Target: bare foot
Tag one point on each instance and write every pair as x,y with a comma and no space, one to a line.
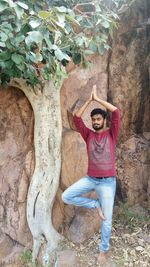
101,214
102,258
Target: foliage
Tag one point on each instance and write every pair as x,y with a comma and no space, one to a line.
26,258
129,217
37,40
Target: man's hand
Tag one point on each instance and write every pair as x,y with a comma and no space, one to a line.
93,93
95,97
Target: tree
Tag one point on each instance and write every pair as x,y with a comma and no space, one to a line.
36,43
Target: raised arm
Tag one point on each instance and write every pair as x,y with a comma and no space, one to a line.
83,108
115,118
107,105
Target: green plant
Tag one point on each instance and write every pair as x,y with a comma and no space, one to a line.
38,40
129,217
26,258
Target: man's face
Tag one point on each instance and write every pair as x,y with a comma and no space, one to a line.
97,122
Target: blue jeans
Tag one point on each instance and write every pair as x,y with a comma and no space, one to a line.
105,189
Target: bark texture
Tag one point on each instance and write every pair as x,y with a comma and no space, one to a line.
45,179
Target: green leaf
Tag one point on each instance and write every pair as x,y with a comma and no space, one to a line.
7,27
6,64
19,39
105,24
23,5
21,67
88,52
19,11
3,6
2,44
35,57
5,56
47,40
54,47
106,46
32,57
61,9
10,2
17,58
34,36
101,50
34,23
60,55
61,18
92,46
3,36
77,58
71,19
44,14
39,57
79,41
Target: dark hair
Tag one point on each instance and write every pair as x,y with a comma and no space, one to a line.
99,111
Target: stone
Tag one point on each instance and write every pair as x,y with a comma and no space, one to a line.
147,135
6,246
67,258
83,225
1,213
129,145
74,158
133,170
58,211
16,142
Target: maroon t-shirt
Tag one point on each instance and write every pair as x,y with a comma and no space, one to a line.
100,146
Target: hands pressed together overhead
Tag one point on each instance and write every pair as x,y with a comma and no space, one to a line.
93,95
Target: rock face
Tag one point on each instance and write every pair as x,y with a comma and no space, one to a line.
129,89
16,163
122,77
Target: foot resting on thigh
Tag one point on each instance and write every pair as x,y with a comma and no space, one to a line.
101,214
102,258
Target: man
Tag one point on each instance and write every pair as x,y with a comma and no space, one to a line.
101,174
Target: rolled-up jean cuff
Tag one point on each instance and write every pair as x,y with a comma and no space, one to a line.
97,205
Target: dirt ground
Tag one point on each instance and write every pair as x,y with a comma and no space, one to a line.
130,243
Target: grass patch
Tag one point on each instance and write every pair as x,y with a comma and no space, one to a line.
129,217
26,258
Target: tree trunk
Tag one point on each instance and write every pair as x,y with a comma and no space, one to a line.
45,179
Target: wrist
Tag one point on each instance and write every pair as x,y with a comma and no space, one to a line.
88,101
97,99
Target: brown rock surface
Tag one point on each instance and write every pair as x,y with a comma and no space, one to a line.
129,89
6,246
66,258
84,225
74,158
16,167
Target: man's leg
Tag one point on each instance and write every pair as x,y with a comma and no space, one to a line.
106,191
73,194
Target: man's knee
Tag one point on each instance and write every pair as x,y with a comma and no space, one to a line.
65,197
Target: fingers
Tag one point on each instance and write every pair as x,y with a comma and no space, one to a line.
94,93
94,88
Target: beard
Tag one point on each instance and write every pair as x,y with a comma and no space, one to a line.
98,127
